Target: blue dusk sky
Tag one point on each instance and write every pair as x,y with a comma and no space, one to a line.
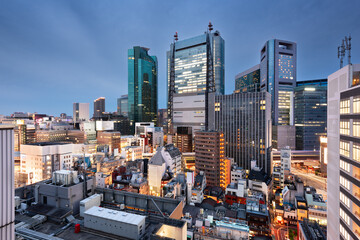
54,53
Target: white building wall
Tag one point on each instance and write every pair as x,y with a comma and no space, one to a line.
155,173
189,110
337,82
32,158
7,198
114,223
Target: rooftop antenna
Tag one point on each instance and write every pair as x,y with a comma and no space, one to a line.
341,53
176,37
348,47
210,26
343,48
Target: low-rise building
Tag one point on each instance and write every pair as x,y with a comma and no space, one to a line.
131,153
119,223
112,139
259,181
316,207
310,230
65,190
39,160
197,191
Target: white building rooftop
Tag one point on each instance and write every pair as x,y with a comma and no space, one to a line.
115,215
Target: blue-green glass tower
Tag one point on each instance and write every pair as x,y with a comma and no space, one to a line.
142,86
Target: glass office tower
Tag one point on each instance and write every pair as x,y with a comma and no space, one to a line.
190,67
310,113
278,77
249,80
142,86
122,105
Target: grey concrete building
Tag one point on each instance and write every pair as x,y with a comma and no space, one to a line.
245,120
278,77
7,198
63,196
343,169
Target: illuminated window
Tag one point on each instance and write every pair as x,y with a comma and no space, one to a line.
344,233
356,104
345,106
345,127
344,216
345,148
345,166
345,199
344,182
356,152
356,128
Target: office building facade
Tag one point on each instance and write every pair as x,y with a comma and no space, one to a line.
80,112
192,61
249,80
7,198
343,169
99,107
278,77
245,120
310,100
142,85
123,105
209,156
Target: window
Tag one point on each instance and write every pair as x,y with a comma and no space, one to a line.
344,233
345,148
356,104
345,183
356,128
345,166
345,127
345,106
356,152
345,199
344,216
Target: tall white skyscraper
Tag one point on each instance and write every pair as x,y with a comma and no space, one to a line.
343,169
7,198
80,112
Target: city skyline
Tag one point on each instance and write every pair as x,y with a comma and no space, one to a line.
79,51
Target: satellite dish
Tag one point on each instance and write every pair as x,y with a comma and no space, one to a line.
76,180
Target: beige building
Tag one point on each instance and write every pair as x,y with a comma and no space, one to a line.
39,160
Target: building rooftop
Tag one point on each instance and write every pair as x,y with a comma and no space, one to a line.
233,225
42,144
259,175
115,215
6,126
157,159
172,150
312,230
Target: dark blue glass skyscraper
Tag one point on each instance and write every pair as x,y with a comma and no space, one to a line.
142,86
310,113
